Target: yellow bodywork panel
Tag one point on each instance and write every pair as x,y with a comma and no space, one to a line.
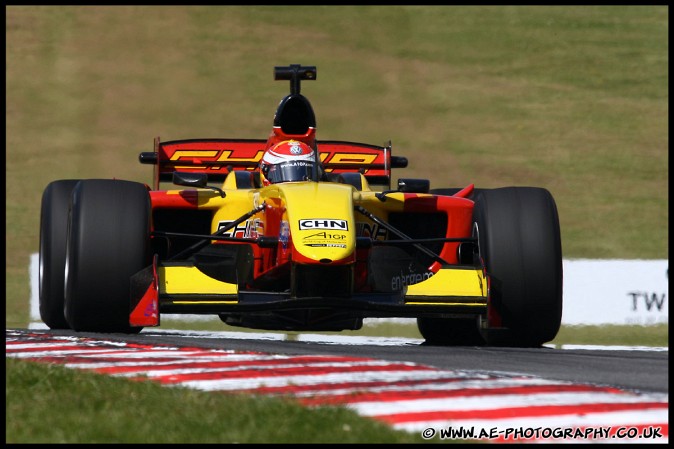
321,220
177,280
467,283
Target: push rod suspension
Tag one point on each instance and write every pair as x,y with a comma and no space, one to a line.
382,223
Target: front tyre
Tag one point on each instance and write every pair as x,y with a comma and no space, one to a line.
520,246
53,230
108,242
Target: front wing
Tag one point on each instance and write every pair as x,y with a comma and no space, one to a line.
179,288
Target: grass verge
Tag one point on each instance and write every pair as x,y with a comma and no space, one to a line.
53,404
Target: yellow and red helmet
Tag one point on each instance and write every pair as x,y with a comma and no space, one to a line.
288,161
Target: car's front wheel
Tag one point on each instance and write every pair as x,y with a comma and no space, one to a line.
53,230
108,242
520,246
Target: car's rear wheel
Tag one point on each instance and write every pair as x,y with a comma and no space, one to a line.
520,245
53,230
450,331
108,242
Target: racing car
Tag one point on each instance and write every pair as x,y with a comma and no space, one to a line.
293,233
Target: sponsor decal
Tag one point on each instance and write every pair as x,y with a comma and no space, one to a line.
405,279
357,159
249,229
325,239
323,223
295,148
150,310
326,245
284,234
296,164
372,230
224,156
193,154
325,236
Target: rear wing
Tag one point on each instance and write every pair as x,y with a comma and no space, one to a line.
217,157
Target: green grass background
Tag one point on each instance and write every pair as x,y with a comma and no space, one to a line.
570,98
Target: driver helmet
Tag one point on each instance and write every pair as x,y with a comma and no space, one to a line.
288,161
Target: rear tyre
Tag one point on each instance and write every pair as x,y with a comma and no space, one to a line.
108,242
520,246
53,230
450,331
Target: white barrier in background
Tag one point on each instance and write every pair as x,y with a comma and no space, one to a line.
595,292
615,291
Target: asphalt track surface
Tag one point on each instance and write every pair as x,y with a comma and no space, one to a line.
640,370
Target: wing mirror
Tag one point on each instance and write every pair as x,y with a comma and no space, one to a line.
190,179
412,185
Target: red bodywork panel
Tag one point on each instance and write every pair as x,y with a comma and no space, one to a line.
146,311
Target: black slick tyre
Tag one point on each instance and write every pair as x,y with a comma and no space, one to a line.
53,230
450,331
108,242
520,246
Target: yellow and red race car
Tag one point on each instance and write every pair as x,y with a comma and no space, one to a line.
295,233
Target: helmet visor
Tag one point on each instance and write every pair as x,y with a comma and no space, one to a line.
290,171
